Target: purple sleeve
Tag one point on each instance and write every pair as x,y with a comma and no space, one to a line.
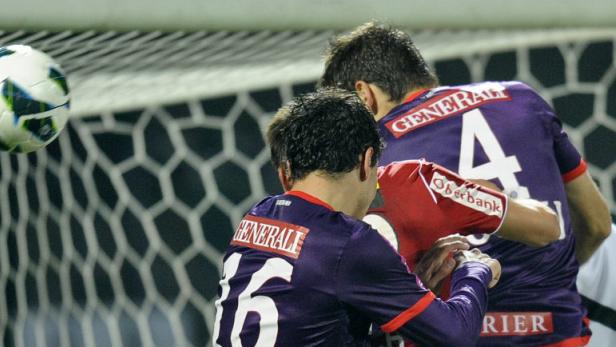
457,321
569,160
373,278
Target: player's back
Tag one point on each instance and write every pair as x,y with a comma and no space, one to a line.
282,265
506,133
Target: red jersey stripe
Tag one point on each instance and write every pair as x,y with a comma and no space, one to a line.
309,198
575,173
414,95
572,342
409,313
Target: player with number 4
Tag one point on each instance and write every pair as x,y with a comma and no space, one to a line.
498,131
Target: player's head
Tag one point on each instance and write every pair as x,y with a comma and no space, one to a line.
379,55
329,132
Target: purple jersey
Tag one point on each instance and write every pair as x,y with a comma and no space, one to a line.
299,274
506,133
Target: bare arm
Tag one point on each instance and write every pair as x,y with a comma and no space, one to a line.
527,221
530,222
590,216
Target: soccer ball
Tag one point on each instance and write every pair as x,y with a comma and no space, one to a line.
34,99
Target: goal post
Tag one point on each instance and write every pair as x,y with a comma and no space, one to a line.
195,15
113,235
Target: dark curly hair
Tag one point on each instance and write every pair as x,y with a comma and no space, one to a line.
380,55
326,130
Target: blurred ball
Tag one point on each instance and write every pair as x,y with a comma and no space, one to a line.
34,99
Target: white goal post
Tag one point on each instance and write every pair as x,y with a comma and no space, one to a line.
195,15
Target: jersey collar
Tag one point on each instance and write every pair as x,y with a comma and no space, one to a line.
414,95
309,198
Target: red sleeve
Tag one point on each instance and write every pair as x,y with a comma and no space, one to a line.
469,208
575,172
424,202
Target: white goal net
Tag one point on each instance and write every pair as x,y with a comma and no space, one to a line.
113,235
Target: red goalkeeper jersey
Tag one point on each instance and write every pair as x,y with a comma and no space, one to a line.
419,202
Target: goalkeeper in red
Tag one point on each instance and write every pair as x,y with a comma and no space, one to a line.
498,131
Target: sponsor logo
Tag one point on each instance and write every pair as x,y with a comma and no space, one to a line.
283,202
270,235
517,323
446,105
473,198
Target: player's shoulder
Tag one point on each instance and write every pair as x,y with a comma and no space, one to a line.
365,236
323,225
517,94
313,213
401,167
406,170
517,90
510,85
527,98
515,87
264,205
354,227
345,231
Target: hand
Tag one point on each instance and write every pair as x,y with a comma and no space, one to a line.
476,255
437,263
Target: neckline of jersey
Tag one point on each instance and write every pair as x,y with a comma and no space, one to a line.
310,198
414,95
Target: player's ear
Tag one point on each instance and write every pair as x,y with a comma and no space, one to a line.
365,164
284,175
366,94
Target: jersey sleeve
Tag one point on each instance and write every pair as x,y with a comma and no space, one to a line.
373,279
426,194
570,162
470,207
457,321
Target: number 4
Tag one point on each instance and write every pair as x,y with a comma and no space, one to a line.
499,166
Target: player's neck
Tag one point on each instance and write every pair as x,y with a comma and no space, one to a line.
384,109
342,194
385,105
379,102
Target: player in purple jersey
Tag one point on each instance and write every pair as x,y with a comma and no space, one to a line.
503,132
302,270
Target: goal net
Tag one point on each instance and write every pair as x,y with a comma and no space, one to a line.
113,235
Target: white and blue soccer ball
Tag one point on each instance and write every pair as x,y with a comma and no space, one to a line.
34,99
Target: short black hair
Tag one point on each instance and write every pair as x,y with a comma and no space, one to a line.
376,54
326,130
